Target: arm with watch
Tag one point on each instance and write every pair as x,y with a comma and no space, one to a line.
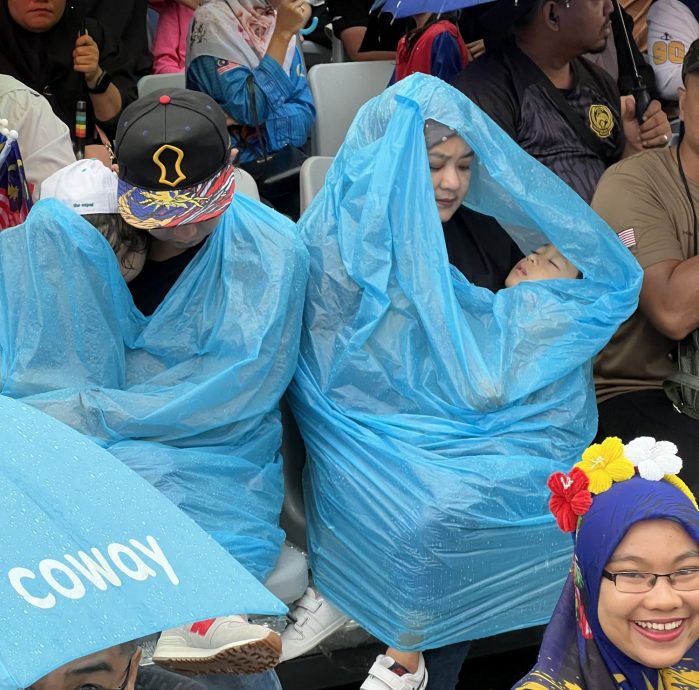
106,98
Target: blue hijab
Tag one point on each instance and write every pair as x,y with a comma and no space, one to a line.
575,653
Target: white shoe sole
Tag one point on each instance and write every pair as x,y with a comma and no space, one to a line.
241,658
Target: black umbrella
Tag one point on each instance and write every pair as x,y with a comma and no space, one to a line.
640,91
81,105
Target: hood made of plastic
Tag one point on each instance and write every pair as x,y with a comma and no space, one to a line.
187,397
433,410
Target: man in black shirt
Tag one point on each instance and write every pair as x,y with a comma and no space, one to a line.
365,35
562,109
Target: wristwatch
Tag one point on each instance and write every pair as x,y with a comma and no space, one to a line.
102,84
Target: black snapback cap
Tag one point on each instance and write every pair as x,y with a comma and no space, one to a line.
173,151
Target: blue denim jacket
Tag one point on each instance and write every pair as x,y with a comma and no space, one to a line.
284,103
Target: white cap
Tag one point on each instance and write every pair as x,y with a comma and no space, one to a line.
86,186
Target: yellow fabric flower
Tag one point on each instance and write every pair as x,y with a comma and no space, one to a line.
605,463
676,481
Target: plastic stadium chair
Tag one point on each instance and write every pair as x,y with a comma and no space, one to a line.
313,172
154,82
245,184
339,90
314,54
338,50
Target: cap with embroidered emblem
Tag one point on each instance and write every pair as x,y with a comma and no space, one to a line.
173,151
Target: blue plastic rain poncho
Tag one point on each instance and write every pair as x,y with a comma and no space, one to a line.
434,410
187,397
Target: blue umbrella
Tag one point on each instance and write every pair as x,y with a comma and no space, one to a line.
92,555
407,8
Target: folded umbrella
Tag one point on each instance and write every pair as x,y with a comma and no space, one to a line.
92,555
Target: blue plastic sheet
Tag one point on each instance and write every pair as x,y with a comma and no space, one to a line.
434,410
187,397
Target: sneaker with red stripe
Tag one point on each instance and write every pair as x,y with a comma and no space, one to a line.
228,644
386,674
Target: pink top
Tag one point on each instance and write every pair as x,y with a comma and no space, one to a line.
170,42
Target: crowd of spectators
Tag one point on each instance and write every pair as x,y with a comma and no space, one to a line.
592,89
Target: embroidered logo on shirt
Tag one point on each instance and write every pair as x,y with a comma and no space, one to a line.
628,238
601,120
223,66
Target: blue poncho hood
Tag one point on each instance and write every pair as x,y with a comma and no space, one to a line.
434,410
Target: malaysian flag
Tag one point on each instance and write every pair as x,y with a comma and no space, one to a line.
15,197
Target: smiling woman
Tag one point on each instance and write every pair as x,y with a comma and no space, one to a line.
656,625
628,616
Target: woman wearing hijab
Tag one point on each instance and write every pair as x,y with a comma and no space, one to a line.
476,244
484,253
41,46
628,617
243,53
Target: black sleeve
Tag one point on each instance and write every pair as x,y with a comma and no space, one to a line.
607,89
344,14
469,22
115,61
487,83
126,22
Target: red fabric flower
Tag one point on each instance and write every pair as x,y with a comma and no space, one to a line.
570,497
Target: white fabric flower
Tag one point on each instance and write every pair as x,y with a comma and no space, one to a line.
654,459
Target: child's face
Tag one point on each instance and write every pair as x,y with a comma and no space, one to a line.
545,263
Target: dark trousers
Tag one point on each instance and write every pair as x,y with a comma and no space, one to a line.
443,665
650,413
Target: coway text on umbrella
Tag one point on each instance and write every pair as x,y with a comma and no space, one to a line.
71,576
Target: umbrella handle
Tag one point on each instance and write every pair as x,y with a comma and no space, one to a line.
310,28
643,99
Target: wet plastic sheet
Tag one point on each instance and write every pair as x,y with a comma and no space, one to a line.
434,410
187,397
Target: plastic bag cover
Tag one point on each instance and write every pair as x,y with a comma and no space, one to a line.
434,410
187,397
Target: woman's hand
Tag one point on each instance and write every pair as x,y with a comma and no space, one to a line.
86,58
192,4
292,16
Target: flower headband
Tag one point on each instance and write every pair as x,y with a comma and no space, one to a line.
608,462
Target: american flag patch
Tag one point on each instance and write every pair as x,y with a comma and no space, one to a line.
628,238
223,66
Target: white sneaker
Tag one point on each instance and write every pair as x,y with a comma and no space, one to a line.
310,622
382,678
228,644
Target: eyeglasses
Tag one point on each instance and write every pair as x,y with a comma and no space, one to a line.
685,580
94,686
